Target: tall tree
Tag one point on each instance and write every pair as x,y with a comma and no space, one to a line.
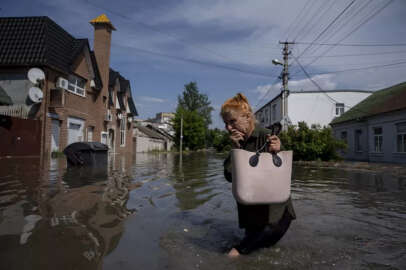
192,100
193,129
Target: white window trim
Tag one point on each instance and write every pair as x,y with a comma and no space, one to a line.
381,139
75,86
123,131
397,134
101,136
340,107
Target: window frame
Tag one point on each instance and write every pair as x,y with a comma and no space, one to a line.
378,138
357,141
122,131
340,109
402,135
76,86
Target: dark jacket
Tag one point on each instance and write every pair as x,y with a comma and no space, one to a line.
252,216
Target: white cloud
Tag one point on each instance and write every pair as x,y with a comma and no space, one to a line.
152,99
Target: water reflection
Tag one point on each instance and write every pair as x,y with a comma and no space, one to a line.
153,212
60,219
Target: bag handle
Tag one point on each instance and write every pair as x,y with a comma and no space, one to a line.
277,161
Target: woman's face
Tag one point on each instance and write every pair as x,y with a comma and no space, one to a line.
238,121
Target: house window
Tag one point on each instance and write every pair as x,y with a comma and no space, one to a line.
378,138
273,112
339,109
90,130
344,136
401,137
122,131
357,140
76,85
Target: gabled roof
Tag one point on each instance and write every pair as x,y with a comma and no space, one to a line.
150,133
39,41
382,101
131,106
124,86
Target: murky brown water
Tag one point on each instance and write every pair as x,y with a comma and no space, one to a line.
155,213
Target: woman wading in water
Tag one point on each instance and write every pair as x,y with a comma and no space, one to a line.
264,224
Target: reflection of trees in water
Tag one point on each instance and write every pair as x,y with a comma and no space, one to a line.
190,180
78,221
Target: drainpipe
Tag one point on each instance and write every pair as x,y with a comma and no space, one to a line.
44,117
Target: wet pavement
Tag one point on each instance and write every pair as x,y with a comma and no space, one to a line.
154,211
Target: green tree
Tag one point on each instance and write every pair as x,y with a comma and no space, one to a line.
219,139
194,130
314,143
192,100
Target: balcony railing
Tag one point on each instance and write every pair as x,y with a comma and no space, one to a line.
15,111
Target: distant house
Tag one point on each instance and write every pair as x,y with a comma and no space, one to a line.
147,138
163,120
75,105
312,107
375,129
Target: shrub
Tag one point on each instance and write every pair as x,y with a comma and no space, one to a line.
314,143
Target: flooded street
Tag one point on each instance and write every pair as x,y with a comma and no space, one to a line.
155,212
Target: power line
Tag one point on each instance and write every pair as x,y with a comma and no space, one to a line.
361,68
328,26
368,18
323,91
359,54
152,28
297,18
356,44
190,60
266,94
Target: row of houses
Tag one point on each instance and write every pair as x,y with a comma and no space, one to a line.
81,97
372,123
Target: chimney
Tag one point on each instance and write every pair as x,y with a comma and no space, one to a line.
102,43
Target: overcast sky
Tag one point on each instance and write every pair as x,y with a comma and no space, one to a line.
227,46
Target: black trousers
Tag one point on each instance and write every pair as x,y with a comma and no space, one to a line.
264,236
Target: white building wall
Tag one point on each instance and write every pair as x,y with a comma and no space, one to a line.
317,108
266,116
389,144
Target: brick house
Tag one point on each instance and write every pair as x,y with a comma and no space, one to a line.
75,102
120,112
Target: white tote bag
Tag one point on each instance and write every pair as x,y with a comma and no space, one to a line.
266,181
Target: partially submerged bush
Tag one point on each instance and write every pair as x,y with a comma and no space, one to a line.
314,143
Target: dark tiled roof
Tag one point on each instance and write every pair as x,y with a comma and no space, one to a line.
124,83
121,101
97,79
382,101
31,41
131,106
124,87
113,75
39,41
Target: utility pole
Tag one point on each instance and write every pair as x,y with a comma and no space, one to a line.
181,133
285,78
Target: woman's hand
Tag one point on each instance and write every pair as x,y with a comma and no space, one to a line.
274,143
236,137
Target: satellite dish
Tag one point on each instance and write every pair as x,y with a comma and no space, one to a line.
35,94
35,75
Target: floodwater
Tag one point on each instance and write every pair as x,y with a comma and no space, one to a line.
155,211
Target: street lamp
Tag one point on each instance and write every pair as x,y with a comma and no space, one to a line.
277,62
